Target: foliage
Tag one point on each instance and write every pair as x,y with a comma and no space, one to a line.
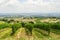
4,25
30,27
22,23
15,27
44,26
56,26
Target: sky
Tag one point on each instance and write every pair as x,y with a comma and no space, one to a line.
29,6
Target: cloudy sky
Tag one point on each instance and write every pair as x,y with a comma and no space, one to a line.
29,6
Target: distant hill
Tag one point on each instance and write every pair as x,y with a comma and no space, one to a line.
31,14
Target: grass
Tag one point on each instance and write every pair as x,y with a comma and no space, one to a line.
21,34
1,22
55,31
5,33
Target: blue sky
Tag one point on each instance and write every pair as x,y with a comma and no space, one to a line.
29,6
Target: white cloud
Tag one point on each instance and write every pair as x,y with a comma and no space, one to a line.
16,6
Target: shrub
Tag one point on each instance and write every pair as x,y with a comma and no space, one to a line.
47,27
29,27
43,26
56,26
15,27
23,24
31,22
4,25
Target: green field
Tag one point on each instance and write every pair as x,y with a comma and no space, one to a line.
30,29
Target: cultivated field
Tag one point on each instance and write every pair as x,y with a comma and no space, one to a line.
30,29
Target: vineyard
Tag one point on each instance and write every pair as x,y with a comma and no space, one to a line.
30,29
